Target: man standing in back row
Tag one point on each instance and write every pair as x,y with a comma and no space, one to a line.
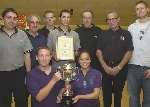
114,51
35,37
139,67
49,19
15,50
88,35
63,30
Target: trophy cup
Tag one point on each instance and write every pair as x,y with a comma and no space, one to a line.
65,54
68,71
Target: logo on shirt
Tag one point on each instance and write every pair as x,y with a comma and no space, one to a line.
95,36
122,38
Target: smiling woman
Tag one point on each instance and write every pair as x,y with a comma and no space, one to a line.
86,86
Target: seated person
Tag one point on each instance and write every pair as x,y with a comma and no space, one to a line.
43,82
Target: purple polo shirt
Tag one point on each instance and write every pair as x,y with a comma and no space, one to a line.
85,85
36,80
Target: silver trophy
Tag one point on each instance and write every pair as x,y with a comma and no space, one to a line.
68,71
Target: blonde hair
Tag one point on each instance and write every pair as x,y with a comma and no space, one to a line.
33,15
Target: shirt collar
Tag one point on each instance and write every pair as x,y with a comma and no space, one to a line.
61,30
87,71
88,27
116,30
2,30
48,29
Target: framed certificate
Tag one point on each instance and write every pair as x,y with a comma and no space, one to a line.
64,48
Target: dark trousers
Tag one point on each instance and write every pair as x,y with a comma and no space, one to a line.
13,83
113,85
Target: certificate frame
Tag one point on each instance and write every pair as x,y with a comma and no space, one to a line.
64,48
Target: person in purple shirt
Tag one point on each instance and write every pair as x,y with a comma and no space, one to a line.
43,82
87,83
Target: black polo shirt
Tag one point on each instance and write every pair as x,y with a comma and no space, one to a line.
44,31
114,45
88,37
88,40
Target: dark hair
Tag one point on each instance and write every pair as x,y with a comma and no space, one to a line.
48,11
42,47
9,10
64,11
83,51
88,10
142,2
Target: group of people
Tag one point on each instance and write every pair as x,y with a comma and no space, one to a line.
106,58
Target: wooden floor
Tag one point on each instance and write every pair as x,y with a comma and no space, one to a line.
125,98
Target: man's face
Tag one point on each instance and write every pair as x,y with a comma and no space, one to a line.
49,19
113,20
43,57
65,18
87,19
10,20
141,10
33,24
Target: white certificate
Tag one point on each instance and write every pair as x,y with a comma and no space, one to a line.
64,48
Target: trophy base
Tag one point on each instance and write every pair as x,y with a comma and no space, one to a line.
67,101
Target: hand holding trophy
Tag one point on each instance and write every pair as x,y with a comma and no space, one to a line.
67,67
68,72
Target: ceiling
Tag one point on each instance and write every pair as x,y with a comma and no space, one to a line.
125,8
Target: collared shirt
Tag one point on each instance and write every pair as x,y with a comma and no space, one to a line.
114,45
88,40
52,38
44,31
83,85
89,37
37,41
36,80
12,49
141,37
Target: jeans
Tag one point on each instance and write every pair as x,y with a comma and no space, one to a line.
137,82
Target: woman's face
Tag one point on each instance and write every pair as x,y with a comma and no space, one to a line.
84,60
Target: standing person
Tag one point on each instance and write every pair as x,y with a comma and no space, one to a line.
86,86
35,37
139,67
15,50
114,51
43,81
65,31
88,35
49,19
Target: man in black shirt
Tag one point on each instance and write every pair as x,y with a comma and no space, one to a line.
114,51
49,19
88,35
